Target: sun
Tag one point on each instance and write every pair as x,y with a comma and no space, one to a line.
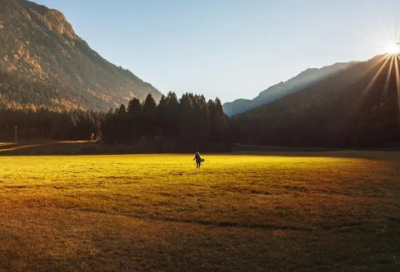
393,48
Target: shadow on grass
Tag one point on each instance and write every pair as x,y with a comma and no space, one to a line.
376,155
47,148
86,148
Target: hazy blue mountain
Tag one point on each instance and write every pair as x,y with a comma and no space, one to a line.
282,89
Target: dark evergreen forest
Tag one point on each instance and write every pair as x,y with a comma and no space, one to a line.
174,125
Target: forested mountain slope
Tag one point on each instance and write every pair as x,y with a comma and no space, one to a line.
356,107
282,89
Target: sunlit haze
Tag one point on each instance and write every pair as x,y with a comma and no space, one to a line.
230,48
393,48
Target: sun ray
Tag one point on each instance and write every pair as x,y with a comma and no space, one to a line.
385,57
398,32
393,48
398,81
392,45
394,33
389,37
370,85
385,90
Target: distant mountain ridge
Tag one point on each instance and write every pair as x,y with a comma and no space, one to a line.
358,107
282,89
43,62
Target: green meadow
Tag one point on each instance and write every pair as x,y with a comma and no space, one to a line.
332,211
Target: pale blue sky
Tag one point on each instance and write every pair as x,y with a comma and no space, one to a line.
229,48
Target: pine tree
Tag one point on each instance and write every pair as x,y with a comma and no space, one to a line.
218,121
149,116
109,127
162,113
135,119
173,115
122,125
204,121
187,121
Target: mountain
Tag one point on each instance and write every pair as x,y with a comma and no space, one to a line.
45,63
282,89
358,107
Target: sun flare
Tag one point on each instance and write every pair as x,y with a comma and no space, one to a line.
393,48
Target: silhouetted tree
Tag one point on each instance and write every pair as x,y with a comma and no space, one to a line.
187,120
173,116
190,123
135,119
149,116
162,113
218,121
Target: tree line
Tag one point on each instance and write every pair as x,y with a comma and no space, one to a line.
174,125
45,124
184,124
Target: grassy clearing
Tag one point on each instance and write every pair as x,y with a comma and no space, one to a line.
336,211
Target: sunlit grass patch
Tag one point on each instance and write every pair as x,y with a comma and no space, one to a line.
279,212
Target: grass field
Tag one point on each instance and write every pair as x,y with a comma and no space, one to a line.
337,211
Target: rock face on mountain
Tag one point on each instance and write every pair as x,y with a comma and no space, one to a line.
282,89
44,63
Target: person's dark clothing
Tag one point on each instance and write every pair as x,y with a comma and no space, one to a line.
198,160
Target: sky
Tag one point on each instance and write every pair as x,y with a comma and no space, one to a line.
230,48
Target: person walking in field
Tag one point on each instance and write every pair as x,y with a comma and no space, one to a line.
198,159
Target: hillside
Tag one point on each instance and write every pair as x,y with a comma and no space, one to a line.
357,107
45,63
282,89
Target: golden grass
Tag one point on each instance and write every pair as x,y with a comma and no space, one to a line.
336,211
